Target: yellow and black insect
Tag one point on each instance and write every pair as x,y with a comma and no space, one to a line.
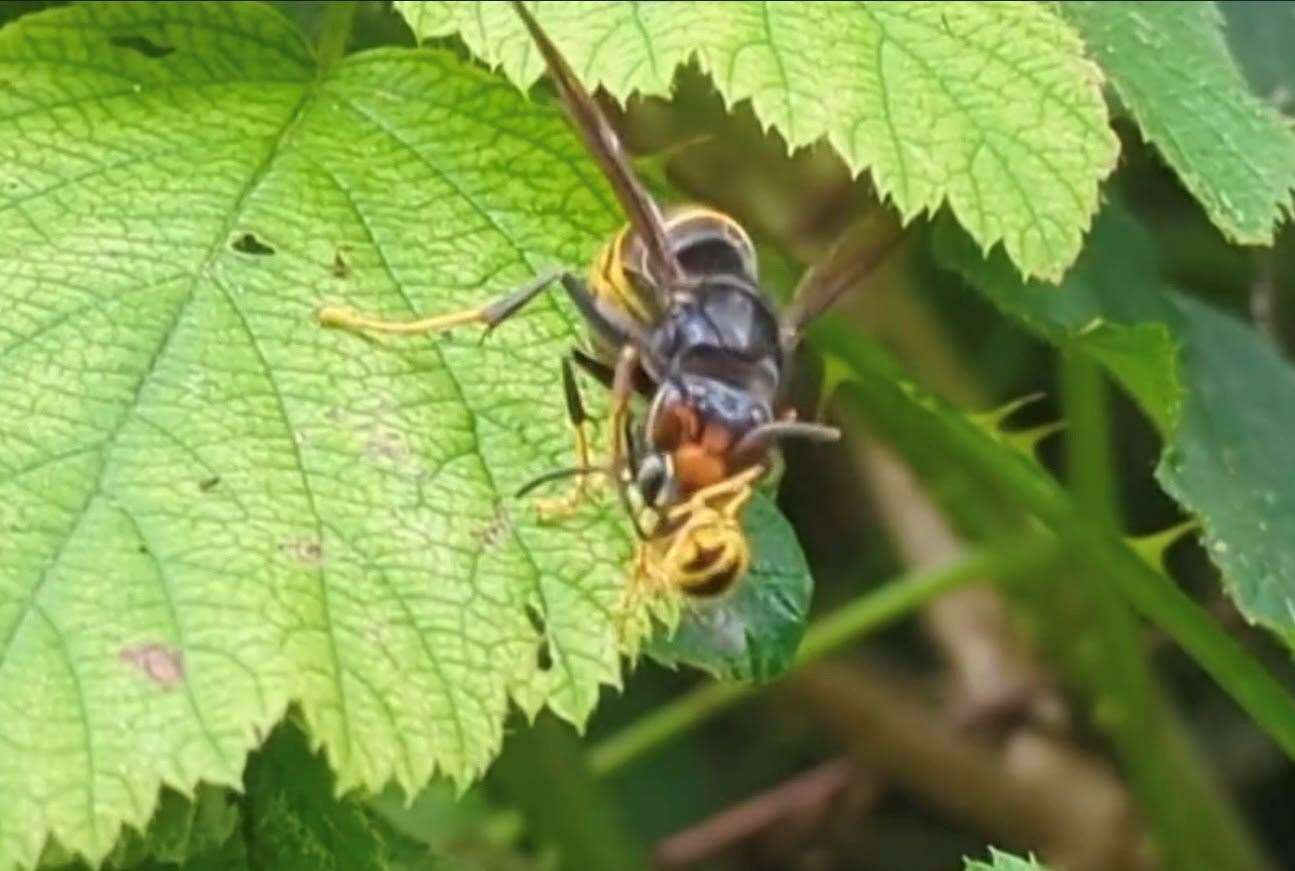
676,314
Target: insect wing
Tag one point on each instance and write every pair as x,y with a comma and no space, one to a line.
852,259
605,146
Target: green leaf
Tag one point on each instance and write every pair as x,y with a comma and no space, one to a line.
296,821
1227,429
181,830
991,107
1000,861
753,633
213,508
1128,333
1170,65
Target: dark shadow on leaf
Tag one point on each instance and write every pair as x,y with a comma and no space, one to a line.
142,44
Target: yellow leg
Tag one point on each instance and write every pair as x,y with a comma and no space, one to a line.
349,319
622,391
738,485
491,315
708,552
561,506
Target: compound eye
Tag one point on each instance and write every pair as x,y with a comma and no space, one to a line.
656,479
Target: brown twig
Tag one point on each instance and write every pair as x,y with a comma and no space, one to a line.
802,799
994,676
1039,795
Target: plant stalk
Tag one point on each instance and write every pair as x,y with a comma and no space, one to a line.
908,417
334,32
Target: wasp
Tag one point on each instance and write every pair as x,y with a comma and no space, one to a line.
676,315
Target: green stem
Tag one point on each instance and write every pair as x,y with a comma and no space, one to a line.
334,32
871,611
909,417
1094,630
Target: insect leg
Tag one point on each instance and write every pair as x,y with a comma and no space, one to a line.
620,429
579,420
622,391
490,315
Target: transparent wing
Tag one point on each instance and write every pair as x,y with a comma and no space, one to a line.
854,257
605,146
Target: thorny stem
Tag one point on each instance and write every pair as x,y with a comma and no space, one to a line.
910,418
1095,629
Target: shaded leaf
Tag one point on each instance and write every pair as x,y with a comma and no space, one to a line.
1170,65
1228,451
212,507
182,831
990,106
544,773
298,823
753,633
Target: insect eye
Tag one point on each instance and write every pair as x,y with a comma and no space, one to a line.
656,479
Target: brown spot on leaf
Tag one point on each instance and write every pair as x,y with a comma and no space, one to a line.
160,663
500,526
208,484
304,550
386,444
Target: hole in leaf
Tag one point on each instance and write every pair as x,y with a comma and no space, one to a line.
341,268
249,244
543,654
142,44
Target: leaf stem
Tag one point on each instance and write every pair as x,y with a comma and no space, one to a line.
334,32
870,611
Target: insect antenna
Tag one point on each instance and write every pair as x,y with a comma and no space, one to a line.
557,475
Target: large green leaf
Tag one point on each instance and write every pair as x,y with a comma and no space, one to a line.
1228,453
990,106
1171,66
211,506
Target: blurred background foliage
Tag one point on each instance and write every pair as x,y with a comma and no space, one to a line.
881,758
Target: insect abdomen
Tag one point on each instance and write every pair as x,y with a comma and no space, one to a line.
705,241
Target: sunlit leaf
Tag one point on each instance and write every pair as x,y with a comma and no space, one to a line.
988,106
1000,861
1223,398
1171,66
212,507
